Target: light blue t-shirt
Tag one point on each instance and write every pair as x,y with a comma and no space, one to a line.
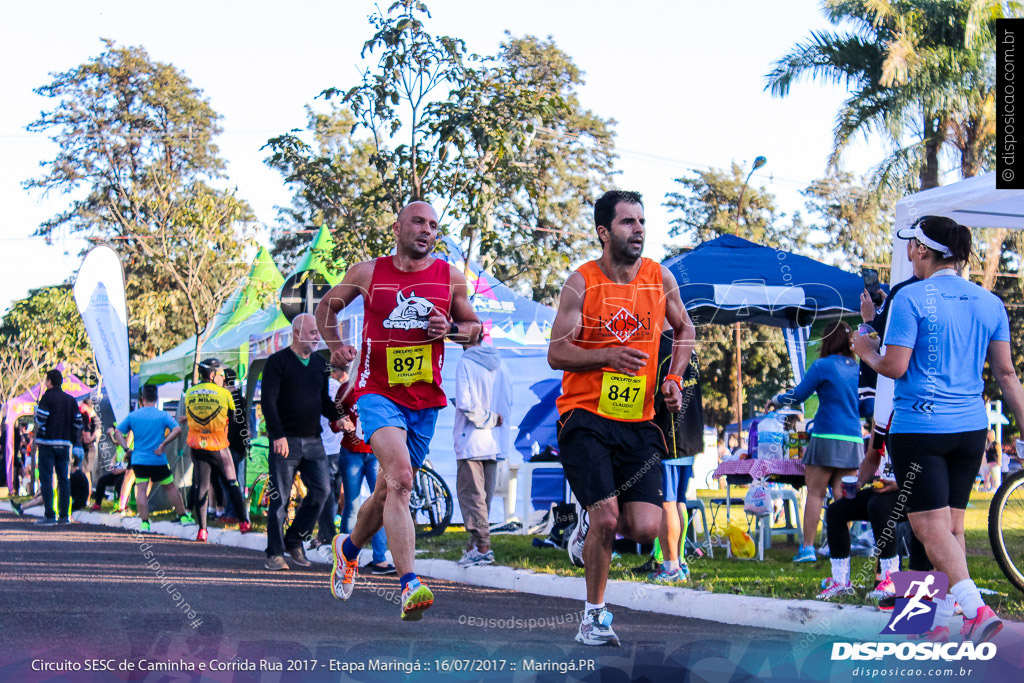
948,322
150,426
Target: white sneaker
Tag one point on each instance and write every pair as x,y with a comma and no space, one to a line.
596,629
578,536
473,557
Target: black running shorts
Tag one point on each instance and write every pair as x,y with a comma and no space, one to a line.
158,474
936,470
603,458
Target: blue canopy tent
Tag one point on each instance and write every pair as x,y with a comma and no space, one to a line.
730,279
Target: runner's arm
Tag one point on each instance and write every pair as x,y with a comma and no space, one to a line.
565,354
119,439
684,333
1001,363
171,436
893,364
355,283
462,314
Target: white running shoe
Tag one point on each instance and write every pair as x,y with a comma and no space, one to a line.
596,629
578,536
344,572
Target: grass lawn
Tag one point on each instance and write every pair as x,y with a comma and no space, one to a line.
776,577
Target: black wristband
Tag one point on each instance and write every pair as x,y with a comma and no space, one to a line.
454,329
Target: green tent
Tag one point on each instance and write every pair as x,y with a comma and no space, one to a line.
319,257
240,310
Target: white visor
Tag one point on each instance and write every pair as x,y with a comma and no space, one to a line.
918,234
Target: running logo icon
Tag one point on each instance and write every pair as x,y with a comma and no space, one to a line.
919,593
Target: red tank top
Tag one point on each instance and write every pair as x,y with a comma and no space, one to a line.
616,314
396,360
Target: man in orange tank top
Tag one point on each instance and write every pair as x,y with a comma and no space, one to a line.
605,337
410,300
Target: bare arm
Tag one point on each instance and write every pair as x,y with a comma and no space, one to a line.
868,466
1002,367
893,364
565,354
171,436
355,283
461,313
683,339
119,439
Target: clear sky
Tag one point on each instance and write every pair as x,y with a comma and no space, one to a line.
684,80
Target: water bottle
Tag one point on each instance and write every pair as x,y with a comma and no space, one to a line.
771,435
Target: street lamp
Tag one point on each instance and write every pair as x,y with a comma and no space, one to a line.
738,397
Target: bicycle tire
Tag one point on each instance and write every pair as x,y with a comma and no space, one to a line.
1005,517
432,499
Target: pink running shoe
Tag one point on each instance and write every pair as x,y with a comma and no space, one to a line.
983,627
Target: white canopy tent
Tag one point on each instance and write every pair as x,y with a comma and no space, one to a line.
974,202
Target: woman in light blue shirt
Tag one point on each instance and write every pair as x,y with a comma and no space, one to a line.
836,445
941,331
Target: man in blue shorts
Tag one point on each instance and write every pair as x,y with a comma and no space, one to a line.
410,301
152,429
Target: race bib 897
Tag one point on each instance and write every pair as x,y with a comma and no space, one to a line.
408,364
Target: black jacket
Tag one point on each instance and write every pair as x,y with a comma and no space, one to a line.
58,419
295,395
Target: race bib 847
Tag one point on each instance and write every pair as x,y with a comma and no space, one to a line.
622,396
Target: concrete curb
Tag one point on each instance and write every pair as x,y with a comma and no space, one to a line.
800,616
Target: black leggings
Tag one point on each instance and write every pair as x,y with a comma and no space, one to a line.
205,462
108,479
876,508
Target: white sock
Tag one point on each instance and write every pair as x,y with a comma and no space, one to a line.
670,565
890,565
587,607
969,597
841,570
943,611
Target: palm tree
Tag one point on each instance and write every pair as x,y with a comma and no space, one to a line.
921,73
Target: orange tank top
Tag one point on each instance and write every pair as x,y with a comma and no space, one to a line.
618,315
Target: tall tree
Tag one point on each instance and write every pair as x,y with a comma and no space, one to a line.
135,154
919,71
334,184
922,73
711,205
47,327
545,214
857,221
500,145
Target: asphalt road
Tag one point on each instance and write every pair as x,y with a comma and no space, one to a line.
87,597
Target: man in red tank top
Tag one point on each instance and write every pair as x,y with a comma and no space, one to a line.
605,337
410,301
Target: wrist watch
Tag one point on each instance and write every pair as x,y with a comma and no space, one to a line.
675,378
453,329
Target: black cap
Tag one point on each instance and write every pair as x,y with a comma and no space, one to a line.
209,366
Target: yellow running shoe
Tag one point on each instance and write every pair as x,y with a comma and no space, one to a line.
415,599
342,586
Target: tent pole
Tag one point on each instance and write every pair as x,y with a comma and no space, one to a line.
738,398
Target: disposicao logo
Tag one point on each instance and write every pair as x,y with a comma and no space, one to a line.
914,613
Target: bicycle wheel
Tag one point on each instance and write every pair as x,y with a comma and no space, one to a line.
430,503
1006,528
